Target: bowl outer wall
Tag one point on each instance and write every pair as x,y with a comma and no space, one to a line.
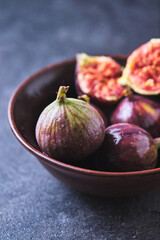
25,105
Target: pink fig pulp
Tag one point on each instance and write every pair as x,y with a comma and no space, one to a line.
142,71
97,76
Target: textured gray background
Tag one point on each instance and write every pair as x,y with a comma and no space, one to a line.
33,34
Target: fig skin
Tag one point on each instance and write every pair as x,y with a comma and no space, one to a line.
140,111
69,129
127,147
86,98
97,76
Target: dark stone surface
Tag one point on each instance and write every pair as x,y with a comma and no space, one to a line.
33,34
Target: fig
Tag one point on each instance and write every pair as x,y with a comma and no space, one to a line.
69,129
86,98
140,111
128,147
97,76
142,70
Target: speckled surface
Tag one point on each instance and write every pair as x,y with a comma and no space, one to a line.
33,34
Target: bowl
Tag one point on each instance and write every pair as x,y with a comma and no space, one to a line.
24,108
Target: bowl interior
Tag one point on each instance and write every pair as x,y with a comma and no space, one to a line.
38,91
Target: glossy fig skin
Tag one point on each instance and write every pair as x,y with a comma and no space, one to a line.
69,130
127,147
140,111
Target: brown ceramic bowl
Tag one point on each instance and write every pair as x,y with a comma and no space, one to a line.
25,106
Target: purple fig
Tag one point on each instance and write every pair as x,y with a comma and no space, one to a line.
140,111
86,98
127,147
69,129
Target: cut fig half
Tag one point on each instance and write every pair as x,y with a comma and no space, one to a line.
142,70
97,76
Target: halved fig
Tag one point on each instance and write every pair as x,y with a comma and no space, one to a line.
142,71
97,76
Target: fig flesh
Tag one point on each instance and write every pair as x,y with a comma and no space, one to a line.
142,70
97,76
140,111
69,129
127,147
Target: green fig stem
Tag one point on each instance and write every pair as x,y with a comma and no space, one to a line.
128,93
157,142
85,98
61,95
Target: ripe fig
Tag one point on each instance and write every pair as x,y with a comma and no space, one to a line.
142,71
127,147
140,111
69,129
97,76
86,98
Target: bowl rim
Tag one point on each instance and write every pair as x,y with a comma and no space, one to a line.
51,161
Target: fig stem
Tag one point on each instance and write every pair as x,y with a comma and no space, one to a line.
85,98
61,95
128,93
157,142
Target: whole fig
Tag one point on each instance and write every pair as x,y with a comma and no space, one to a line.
140,111
127,147
69,129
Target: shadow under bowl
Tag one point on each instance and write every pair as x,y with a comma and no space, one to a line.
25,106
